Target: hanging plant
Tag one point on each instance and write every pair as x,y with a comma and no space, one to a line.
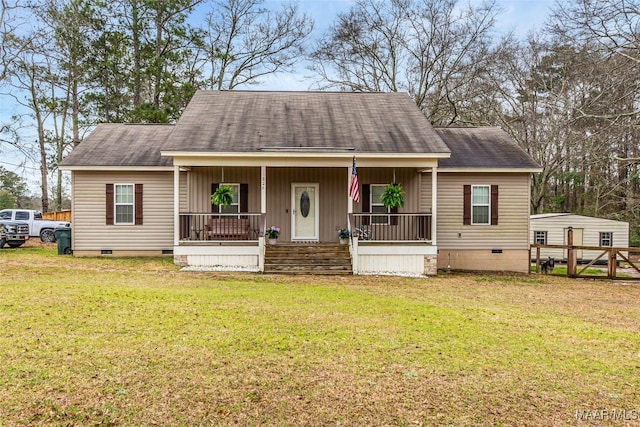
223,196
393,196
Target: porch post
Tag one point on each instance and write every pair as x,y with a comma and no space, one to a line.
263,210
353,243
263,189
434,205
349,199
176,205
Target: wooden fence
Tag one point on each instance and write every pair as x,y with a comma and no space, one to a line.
58,215
612,256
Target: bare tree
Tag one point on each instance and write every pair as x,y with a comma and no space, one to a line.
610,27
245,41
436,50
29,74
613,24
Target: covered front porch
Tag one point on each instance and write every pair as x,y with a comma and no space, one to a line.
308,202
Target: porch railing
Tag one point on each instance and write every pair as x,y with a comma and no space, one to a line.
399,227
243,226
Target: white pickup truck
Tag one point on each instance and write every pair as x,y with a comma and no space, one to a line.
37,226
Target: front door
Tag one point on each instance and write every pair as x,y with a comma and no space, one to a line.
304,215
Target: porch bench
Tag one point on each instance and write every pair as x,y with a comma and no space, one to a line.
227,229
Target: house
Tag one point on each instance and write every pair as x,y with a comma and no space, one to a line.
288,156
552,229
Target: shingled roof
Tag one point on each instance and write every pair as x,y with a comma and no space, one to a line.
250,121
118,144
483,148
243,121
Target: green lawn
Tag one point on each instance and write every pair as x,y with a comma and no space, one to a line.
135,342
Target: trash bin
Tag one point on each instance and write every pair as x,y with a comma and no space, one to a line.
63,236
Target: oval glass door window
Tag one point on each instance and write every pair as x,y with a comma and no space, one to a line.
305,204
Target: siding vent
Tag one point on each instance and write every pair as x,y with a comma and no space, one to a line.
167,252
496,251
106,251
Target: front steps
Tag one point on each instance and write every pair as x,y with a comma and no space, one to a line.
307,258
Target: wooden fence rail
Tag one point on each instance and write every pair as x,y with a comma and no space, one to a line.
612,257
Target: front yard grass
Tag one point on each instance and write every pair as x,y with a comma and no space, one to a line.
135,342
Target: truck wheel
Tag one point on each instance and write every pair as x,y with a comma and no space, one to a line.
2,243
15,244
47,235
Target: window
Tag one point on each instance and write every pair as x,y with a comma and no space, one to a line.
234,207
540,237
124,203
377,206
606,239
240,198
480,204
5,215
22,216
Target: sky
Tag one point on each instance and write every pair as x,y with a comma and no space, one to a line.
520,16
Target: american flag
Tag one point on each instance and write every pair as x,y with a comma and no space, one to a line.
354,190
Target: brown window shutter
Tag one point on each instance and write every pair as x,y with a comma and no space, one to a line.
138,204
366,202
466,215
109,204
494,205
214,208
244,197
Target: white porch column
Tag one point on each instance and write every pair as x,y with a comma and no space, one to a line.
349,199
263,210
176,205
263,189
434,205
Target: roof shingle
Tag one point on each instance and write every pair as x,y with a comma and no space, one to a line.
483,147
118,144
246,121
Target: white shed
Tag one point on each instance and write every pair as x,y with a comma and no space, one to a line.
551,229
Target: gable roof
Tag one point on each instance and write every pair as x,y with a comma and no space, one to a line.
247,121
251,121
122,145
483,148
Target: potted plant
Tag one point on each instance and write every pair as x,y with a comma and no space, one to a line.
272,233
223,196
393,196
343,235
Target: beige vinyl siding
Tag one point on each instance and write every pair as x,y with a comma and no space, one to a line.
332,189
591,228
89,230
184,191
425,192
332,193
512,231
201,178
407,177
